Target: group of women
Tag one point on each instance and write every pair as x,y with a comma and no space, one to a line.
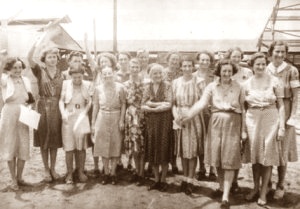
225,117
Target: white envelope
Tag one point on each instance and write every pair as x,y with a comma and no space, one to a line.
29,117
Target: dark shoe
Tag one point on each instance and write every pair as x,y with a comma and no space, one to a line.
129,167
119,167
189,189
97,172
175,170
212,177
114,180
183,186
163,186
225,204
140,181
235,189
155,185
252,196
105,179
217,193
134,178
201,176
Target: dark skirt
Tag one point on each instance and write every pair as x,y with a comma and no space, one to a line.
159,138
48,134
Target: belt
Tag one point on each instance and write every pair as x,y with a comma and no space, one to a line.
263,107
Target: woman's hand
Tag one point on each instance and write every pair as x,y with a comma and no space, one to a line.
281,134
244,136
65,115
121,125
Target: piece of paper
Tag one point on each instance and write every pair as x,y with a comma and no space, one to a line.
29,117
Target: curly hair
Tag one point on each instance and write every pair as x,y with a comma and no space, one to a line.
74,54
11,61
231,50
277,43
208,53
223,62
50,51
112,58
187,58
255,56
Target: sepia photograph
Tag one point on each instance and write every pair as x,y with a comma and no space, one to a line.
149,104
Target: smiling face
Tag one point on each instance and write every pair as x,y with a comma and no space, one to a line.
226,72
107,74
77,78
105,62
51,59
134,68
16,69
75,62
278,54
144,59
174,61
123,61
236,57
187,68
259,66
156,74
204,61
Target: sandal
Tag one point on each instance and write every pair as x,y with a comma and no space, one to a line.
279,193
54,175
82,177
47,177
225,204
69,179
14,186
261,202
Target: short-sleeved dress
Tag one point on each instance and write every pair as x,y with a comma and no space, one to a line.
134,118
222,148
75,100
242,75
191,137
289,79
159,133
48,134
262,122
108,137
14,135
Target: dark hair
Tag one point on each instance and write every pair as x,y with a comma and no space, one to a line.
208,53
79,69
277,43
255,56
112,58
231,50
187,58
74,54
171,53
124,53
135,60
11,61
223,62
50,51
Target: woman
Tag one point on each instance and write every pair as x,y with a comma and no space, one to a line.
123,73
109,104
224,132
143,57
14,135
205,60
263,95
288,75
48,135
134,120
74,104
186,91
157,100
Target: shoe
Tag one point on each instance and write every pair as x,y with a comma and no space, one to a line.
113,180
279,193
155,185
212,177
140,181
47,177
235,188
201,176
119,167
69,179
252,196
21,182
134,178
105,179
96,172
163,186
225,204
129,167
183,186
82,177
55,176
14,186
175,170
261,202
217,193
189,189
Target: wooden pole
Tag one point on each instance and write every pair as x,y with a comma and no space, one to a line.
95,39
115,42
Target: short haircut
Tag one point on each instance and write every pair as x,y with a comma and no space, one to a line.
124,53
255,56
79,69
134,61
277,43
11,61
50,51
110,56
171,53
223,62
208,53
231,50
187,58
74,54
155,66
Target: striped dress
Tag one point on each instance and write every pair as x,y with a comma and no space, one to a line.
191,137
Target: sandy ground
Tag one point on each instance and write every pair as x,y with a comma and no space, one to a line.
126,195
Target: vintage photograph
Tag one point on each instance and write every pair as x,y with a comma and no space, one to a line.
149,104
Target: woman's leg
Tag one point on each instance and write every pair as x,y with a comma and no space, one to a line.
220,172
192,163
156,172
105,165
20,168
69,163
81,158
53,154
228,178
114,163
164,171
256,170
12,169
266,173
184,162
142,164
136,158
45,159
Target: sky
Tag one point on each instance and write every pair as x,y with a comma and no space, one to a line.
150,19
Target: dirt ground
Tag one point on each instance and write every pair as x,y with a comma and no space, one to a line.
126,195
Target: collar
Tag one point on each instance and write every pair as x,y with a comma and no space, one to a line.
280,68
